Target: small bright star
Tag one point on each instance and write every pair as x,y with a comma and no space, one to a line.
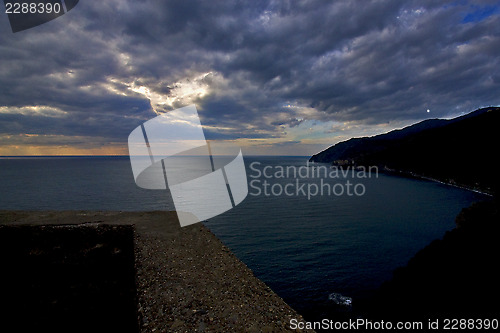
428,110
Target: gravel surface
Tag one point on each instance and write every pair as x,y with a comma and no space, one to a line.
186,279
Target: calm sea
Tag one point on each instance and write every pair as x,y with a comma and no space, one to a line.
304,247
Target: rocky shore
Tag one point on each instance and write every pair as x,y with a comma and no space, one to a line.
127,272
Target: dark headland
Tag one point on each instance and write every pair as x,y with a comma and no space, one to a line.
461,151
126,272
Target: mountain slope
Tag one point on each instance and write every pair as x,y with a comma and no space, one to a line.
460,151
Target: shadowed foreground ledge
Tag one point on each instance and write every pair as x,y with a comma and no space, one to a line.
127,272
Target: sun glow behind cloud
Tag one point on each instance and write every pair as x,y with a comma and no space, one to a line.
180,93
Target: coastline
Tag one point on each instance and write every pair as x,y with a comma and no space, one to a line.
406,174
185,278
410,174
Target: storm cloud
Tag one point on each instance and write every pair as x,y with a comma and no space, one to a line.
280,73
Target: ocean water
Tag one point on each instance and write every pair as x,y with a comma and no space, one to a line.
310,249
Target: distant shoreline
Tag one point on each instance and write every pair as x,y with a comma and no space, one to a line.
410,174
407,174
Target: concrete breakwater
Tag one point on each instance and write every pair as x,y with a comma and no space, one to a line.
127,272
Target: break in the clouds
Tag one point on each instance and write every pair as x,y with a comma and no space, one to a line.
287,77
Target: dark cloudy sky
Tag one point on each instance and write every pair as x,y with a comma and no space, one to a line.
275,77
